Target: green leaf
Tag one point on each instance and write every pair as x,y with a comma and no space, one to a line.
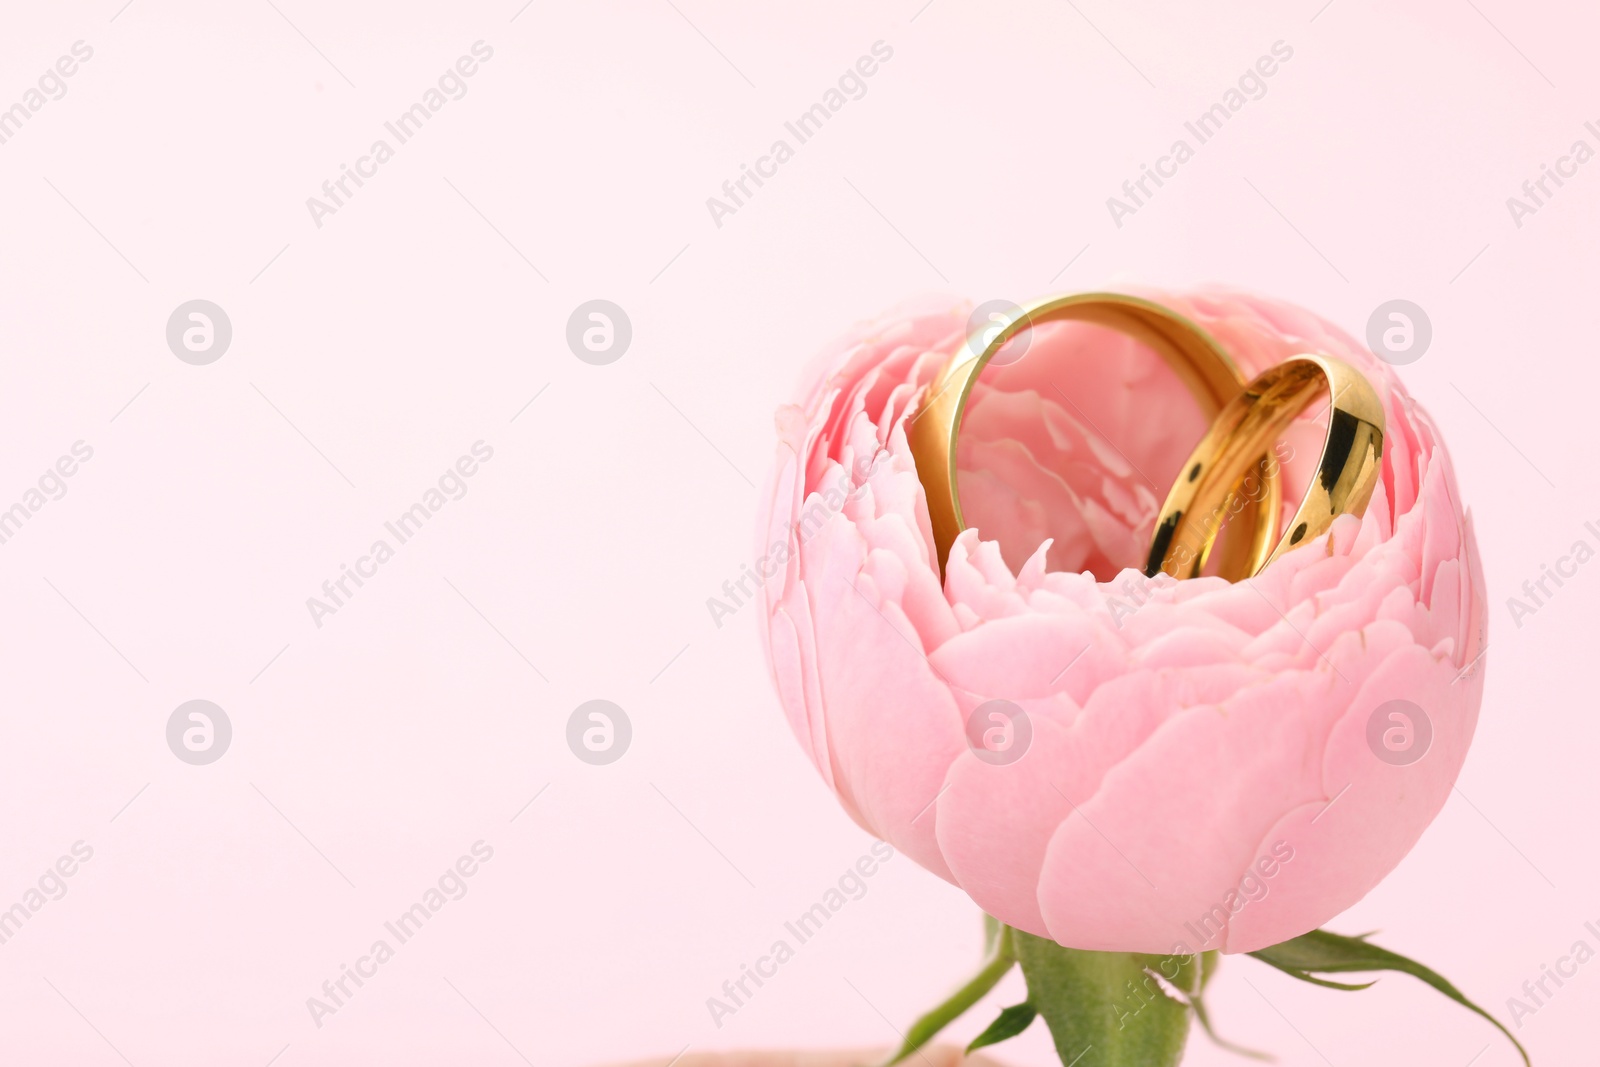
993,929
1321,952
1001,958
1108,1009
1189,975
1012,1021
1198,1003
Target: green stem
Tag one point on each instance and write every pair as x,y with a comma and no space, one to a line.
1002,957
1109,1009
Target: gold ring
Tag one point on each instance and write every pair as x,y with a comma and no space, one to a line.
1345,477
1202,365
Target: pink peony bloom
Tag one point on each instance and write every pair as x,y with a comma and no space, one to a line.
1200,772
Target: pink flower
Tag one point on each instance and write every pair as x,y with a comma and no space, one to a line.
1199,773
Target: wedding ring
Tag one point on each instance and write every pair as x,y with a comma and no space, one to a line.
1207,371
1206,491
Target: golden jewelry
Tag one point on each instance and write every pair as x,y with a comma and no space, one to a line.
1205,493
1199,362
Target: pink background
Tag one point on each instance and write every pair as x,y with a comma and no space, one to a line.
370,753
